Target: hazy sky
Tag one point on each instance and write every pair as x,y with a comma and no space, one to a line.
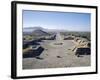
57,20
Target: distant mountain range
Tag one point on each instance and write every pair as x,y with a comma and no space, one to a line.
40,33
31,29
37,31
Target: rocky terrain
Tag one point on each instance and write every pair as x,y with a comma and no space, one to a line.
57,53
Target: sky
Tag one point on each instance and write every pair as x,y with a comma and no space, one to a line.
57,20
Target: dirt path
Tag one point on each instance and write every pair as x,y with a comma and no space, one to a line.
56,56
58,37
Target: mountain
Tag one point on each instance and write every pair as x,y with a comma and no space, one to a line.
40,33
31,29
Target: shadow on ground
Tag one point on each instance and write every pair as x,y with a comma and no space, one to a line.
33,53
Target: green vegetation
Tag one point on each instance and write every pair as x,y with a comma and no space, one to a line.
86,35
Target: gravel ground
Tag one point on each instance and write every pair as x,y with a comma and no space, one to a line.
56,55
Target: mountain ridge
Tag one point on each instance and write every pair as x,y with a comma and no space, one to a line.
31,29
